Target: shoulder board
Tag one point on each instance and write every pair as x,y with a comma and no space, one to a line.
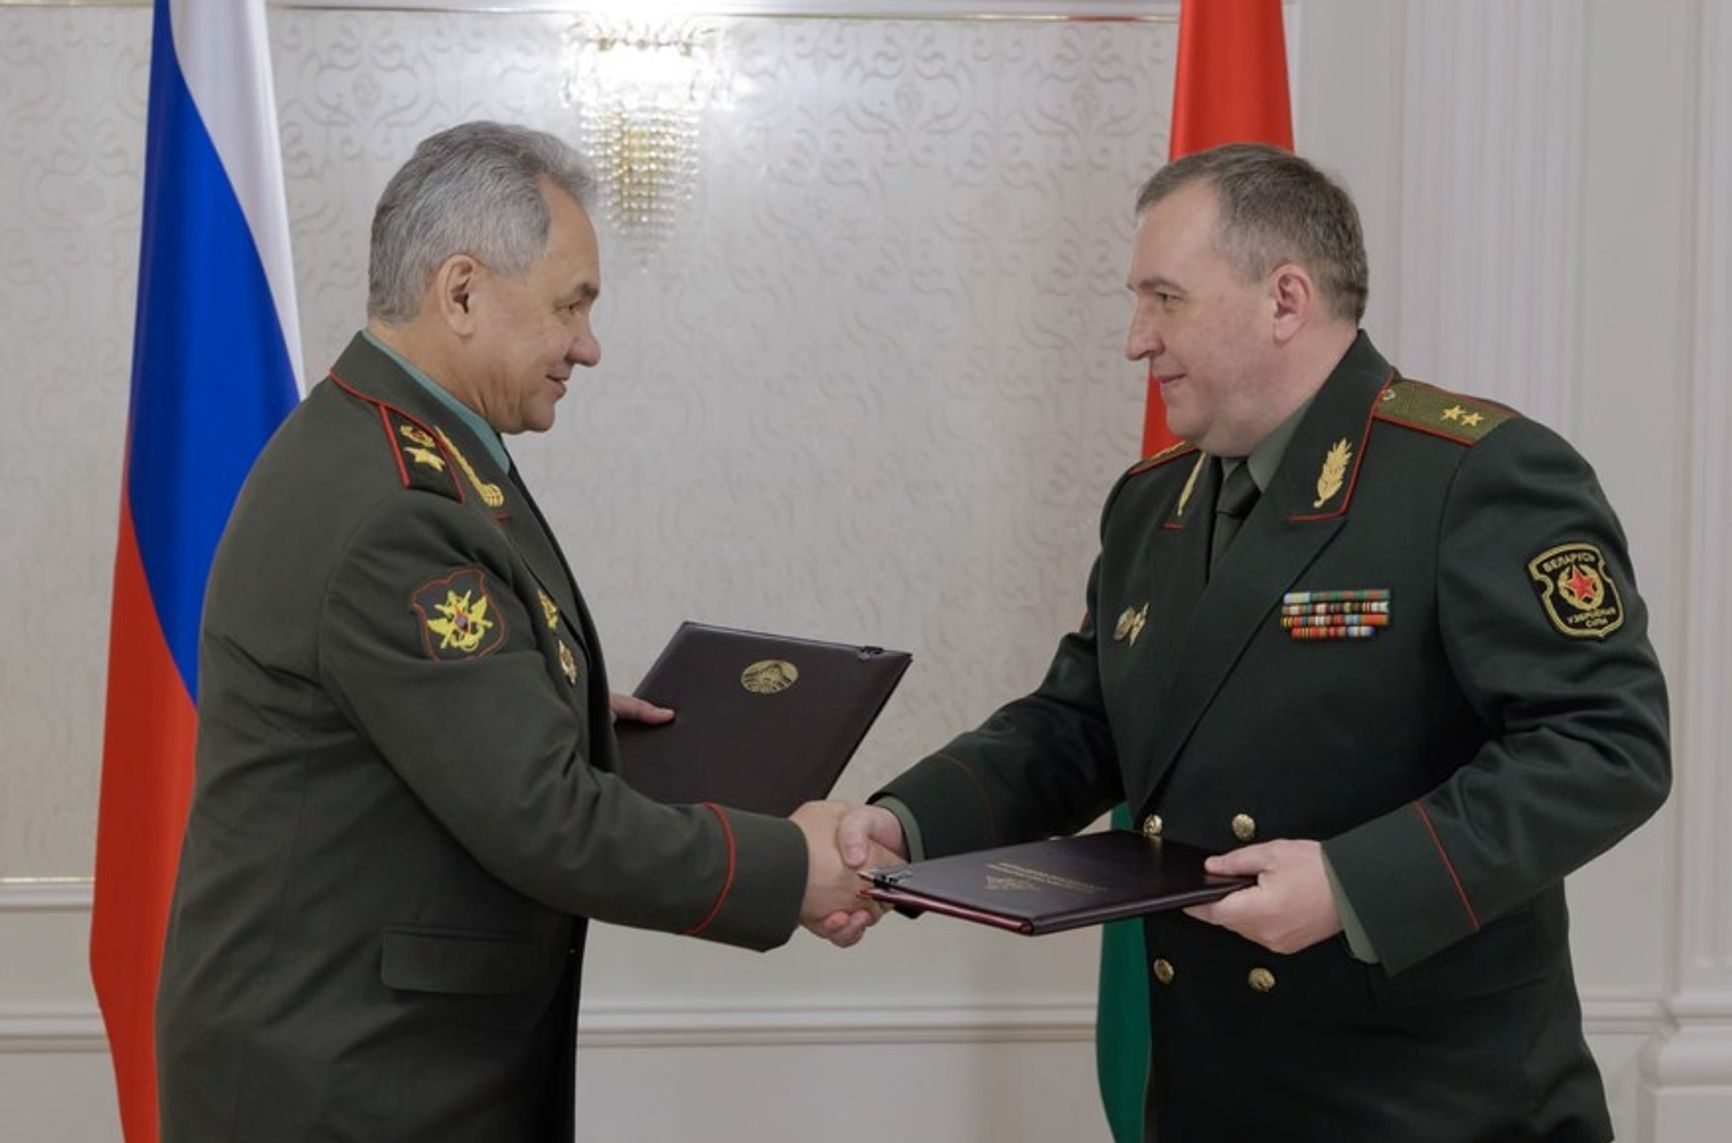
1172,452
421,458
1428,409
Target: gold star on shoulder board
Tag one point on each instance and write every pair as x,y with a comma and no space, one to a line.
1472,419
427,457
1453,413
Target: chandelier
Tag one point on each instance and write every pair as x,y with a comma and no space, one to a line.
641,89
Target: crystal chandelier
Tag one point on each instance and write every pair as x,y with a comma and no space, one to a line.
641,90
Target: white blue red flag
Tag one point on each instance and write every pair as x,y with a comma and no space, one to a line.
216,354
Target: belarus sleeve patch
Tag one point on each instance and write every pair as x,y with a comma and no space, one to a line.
1576,591
457,616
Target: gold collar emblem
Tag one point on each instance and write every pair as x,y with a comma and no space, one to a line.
1130,624
1334,472
427,457
548,609
489,493
568,663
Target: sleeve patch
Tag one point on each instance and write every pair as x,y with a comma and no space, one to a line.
457,617
1576,591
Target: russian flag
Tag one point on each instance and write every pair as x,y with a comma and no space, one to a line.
214,371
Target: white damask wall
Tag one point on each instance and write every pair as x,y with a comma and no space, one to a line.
872,390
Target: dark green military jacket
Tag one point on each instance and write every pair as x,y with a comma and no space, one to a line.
1424,648
404,812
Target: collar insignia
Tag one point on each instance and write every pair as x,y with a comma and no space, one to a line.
1334,472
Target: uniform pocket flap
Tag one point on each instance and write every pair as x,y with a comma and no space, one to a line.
460,961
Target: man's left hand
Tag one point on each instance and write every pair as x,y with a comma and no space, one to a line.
630,708
1291,906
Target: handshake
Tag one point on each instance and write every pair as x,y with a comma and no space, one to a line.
841,840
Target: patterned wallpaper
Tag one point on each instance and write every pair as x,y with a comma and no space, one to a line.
870,390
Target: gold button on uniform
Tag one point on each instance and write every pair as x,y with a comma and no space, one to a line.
1152,826
1244,827
1163,970
1260,980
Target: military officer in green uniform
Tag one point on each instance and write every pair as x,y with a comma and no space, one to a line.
1381,643
404,814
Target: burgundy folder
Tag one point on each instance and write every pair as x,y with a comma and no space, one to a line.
1058,884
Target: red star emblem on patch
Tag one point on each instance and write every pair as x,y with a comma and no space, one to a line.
1581,587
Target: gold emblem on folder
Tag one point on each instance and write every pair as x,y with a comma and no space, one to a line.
1334,472
769,676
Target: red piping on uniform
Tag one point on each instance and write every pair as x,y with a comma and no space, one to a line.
727,885
1427,429
1472,917
396,453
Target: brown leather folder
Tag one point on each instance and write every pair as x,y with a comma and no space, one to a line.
1054,885
762,722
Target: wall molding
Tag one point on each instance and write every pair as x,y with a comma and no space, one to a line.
45,895
1686,1077
1151,11
1491,200
78,1028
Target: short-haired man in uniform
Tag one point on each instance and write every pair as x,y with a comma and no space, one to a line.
404,814
1380,641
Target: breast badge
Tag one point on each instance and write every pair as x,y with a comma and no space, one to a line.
1576,591
1130,624
458,619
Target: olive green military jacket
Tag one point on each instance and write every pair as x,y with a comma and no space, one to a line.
1423,648
404,813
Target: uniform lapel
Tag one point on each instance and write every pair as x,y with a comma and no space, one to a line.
1303,508
535,541
1178,569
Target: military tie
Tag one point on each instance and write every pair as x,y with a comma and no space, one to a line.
1232,504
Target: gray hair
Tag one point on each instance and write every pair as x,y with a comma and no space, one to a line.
473,189
1276,207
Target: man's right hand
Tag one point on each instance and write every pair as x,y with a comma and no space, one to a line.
841,840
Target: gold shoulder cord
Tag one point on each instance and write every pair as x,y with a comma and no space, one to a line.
489,493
